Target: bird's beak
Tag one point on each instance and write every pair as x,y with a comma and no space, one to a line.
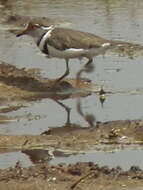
24,31
21,33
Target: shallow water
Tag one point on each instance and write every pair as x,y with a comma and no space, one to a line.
10,159
110,19
123,158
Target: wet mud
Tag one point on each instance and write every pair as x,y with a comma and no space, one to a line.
21,84
78,176
74,138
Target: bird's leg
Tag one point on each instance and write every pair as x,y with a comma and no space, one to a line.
66,72
68,110
88,63
87,117
88,67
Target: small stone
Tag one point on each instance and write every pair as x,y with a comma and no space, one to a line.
54,178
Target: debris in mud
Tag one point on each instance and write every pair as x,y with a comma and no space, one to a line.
6,119
130,50
79,176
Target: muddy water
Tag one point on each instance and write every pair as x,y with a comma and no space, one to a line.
123,76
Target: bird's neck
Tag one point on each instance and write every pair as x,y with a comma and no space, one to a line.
37,35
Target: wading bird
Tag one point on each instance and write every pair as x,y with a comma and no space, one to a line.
66,43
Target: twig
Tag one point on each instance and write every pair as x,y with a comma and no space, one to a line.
78,181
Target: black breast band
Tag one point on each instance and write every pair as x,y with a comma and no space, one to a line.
45,48
38,42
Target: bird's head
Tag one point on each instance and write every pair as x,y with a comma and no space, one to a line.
29,28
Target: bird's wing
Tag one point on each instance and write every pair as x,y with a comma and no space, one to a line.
63,39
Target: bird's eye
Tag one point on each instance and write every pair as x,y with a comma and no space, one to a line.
35,26
25,25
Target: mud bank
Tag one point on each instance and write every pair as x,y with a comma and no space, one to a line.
21,84
79,176
74,138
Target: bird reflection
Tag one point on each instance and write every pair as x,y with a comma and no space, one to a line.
67,109
87,117
36,88
44,155
39,155
69,126
88,68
